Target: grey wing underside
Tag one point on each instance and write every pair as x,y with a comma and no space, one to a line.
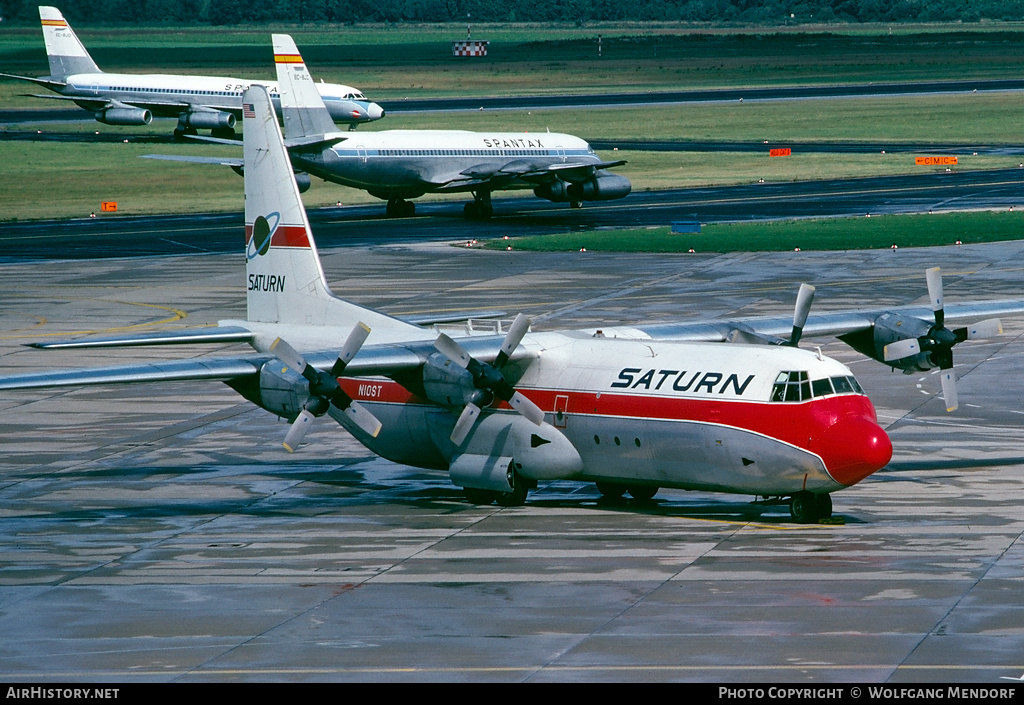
524,171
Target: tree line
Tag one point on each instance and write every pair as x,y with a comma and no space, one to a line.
724,12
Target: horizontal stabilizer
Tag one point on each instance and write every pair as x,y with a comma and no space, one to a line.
44,81
315,143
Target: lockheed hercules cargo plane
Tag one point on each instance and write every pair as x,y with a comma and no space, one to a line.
203,102
730,406
397,165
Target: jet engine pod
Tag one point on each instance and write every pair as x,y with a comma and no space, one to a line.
556,191
303,181
603,187
124,116
208,120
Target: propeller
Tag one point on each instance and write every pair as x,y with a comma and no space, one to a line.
488,380
803,307
324,389
938,342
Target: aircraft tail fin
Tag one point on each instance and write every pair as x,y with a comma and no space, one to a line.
301,105
285,280
66,53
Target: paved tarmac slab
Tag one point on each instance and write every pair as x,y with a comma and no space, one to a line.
161,532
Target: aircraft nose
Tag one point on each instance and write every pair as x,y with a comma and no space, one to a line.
853,448
374,112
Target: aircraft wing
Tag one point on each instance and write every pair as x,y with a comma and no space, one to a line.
372,360
234,163
530,171
824,324
177,371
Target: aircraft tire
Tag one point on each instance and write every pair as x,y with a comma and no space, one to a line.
642,493
515,498
824,504
610,490
478,496
803,507
576,204
407,209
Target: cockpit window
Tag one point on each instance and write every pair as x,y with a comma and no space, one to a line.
795,387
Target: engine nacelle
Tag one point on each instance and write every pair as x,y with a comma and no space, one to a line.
303,181
282,390
124,116
889,328
556,191
603,187
208,120
446,383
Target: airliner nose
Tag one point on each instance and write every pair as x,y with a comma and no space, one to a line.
854,448
374,112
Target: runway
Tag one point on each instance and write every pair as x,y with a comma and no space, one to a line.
367,225
161,534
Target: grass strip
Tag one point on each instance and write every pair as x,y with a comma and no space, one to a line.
860,233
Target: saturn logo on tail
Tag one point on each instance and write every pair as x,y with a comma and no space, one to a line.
263,230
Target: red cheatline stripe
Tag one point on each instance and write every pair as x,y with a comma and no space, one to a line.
786,422
284,236
287,59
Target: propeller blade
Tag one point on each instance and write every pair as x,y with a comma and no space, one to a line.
289,356
297,432
361,417
985,329
514,336
934,278
452,350
901,349
465,423
527,408
949,389
355,341
803,307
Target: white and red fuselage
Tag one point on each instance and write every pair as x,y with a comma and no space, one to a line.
757,419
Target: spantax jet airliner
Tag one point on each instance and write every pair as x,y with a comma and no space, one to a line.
199,102
398,165
730,406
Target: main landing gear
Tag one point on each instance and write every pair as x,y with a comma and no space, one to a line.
400,208
516,498
809,508
480,208
612,490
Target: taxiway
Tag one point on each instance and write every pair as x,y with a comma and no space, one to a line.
161,533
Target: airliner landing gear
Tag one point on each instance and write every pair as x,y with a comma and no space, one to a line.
399,208
808,508
224,133
180,131
480,208
576,204
642,493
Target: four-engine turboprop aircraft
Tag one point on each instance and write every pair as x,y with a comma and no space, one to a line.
731,406
396,165
206,102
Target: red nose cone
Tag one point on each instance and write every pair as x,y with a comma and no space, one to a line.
854,448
